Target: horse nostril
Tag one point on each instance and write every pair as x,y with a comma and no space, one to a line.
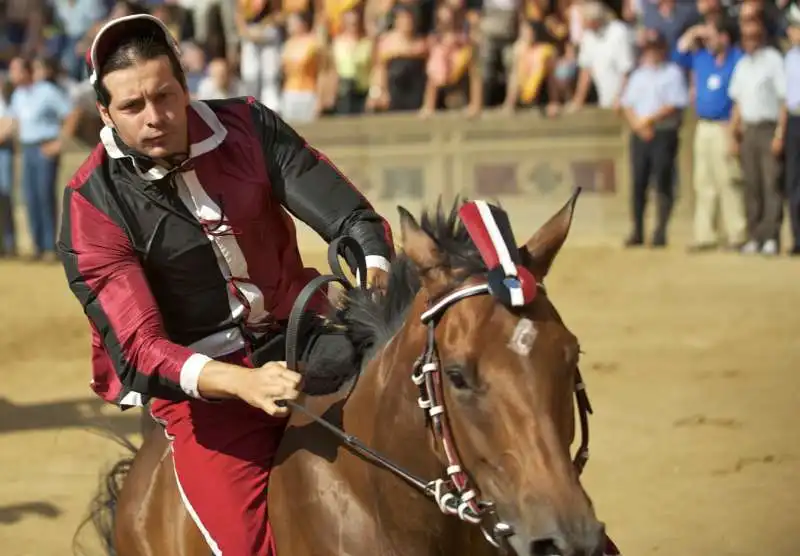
545,547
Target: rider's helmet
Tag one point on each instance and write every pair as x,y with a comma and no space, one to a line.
115,32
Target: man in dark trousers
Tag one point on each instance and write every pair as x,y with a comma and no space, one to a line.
758,89
653,102
792,142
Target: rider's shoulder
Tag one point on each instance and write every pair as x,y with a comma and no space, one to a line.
242,108
88,170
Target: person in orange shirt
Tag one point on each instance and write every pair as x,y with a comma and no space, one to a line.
452,70
301,59
532,69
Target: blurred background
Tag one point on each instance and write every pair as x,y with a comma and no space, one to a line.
679,276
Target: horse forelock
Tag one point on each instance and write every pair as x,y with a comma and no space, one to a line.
372,320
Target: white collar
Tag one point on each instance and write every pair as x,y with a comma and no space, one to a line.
117,150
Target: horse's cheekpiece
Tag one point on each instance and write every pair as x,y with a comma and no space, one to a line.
509,282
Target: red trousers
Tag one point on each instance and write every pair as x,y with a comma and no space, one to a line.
223,453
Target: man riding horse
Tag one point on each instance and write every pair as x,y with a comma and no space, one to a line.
177,241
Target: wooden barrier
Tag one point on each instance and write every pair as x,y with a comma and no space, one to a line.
527,163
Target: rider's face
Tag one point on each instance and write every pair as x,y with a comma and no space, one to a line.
148,108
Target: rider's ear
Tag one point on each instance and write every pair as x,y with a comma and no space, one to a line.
420,248
104,115
540,251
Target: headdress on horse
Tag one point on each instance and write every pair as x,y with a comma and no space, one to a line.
490,230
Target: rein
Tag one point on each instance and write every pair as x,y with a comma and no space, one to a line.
454,494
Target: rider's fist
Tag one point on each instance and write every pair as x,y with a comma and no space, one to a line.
265,386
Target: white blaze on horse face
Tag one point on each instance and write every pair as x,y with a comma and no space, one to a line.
521,341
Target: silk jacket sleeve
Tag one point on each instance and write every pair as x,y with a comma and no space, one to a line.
317,193
105,275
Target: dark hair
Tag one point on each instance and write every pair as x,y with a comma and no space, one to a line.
51,66
138,48
725,26
132,7
26,62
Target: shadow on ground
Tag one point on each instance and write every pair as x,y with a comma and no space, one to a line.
84,413
16,512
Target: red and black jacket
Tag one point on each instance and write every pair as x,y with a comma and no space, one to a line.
173,267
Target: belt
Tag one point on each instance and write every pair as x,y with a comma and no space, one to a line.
222,343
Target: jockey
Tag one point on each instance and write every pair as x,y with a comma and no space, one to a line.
177,240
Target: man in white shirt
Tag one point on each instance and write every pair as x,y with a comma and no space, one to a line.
219,83
758,123
605,57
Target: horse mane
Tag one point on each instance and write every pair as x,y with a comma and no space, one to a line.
371,320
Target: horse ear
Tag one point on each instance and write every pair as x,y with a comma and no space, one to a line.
420,248
417,244
540,251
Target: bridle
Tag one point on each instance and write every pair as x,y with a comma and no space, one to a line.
455,493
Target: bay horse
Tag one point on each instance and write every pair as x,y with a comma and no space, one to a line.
454,384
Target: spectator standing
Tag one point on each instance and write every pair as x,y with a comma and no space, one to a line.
498,30
399,73
670,18
41,114
792,151
261,44
352,58
605,56
77,17
653,102
453,76
715,167
220,83
770,15
758,89
193,60
8,241
302,57
533,69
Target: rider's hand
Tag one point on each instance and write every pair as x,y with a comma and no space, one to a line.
265,386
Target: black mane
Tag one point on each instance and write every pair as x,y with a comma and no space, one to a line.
371,320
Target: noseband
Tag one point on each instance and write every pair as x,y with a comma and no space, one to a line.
455,493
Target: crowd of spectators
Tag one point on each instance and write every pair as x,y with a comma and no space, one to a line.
315,58
307,58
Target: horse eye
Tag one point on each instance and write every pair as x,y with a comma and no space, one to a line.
457,378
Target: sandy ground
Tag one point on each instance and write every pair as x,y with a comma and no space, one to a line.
692,365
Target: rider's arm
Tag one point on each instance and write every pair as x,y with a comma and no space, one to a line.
104,273
317,193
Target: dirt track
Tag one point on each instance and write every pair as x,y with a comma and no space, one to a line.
692,365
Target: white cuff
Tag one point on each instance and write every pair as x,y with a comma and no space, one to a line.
190,373
375,261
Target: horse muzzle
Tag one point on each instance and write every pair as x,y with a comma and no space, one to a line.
584,537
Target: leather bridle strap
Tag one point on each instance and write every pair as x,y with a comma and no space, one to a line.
293,354
300,307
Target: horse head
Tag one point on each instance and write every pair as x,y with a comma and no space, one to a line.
507,373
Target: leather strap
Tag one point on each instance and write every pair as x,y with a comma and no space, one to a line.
293,328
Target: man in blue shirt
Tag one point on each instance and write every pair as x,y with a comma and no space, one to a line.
716,169
41,115
653,103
